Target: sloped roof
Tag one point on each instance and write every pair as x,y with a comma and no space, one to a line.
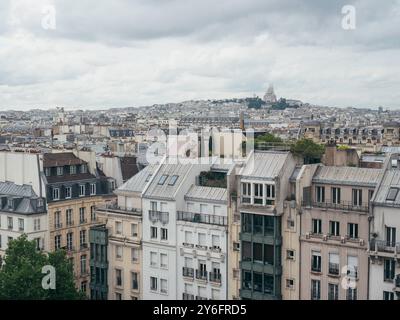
366,177
12,189
138,181
60,159
206,193
390,180
267,165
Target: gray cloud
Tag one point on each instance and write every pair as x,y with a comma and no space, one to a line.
127,53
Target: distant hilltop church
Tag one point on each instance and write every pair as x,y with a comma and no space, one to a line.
270,96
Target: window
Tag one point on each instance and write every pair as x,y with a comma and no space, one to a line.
336,195
84,286
153,283
163,286
202,237
118,227
134,281
68,217
268,284
148,178
257,252
246,192
10,203
270,191
214,294
333,291
72,169
36,224
320,192
10,223
315,290
317,226
334,228
334,264
246,251
135,254
47,172
118,296
258,193
290,254
164,234
387,295
289,283
357,197
83,168
163,260
56,193
352,267
92,189
352,230
215,240
82,215
153,259
21,224
134,230
351,294
60,171
93,213
188,237
315,261
118,252
268,225
247,280
392,194
68,192
268,254
70,236
118,277
162,179
172,181
57,242
389,269
82,238
390,236
153,232
81,190
258,223
257,281
153,206
247,225
83,264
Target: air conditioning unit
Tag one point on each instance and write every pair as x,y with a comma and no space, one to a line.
342,239
325,237
307,235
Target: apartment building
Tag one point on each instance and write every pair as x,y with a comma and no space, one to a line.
202,237
163,197
263,188
73,190
123,221
334,224
384,244
22,212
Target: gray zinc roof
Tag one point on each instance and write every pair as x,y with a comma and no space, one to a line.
267,165
390,180
12,189
347,176
138,182
201,193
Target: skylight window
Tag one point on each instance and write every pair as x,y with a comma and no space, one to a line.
148,177
162,179
392,194
172,181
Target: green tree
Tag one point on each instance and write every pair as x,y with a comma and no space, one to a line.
268,138
309,150
21,273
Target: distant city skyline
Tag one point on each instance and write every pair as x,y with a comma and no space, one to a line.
158,52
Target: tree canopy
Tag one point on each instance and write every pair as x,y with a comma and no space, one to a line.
309,150
21,273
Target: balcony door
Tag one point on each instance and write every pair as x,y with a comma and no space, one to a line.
390,237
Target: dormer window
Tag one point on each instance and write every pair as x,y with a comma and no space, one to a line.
40,202
83,168
72,169
47,172
10,203
60,171
82,191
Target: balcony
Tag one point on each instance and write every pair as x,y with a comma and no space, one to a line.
82,221
70,223
160,216
215,277
188,272
58,225
201,247
115,208
201,275
343,205
333,269
397,282
387,248
202,218
188,245
200,298
83,246
187,296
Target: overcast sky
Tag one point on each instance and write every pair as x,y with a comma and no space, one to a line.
118,53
